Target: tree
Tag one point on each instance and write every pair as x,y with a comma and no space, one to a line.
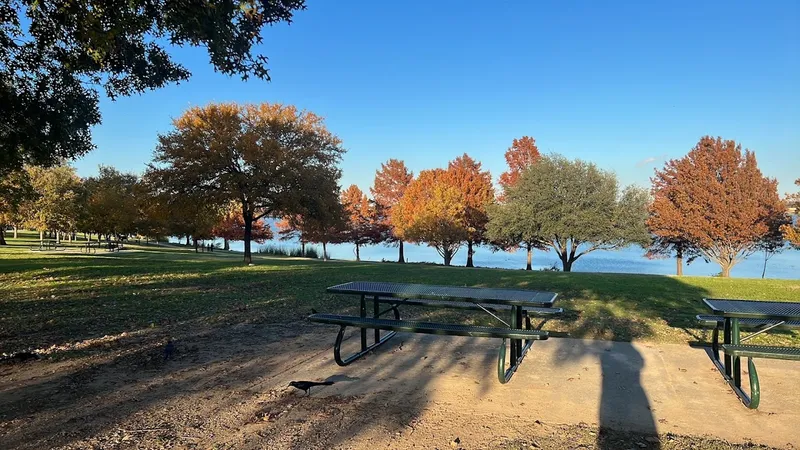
111,208
324,221
230,227
391,182
272,159
575,206
521,155
15,190
502,230
792,232
53,55
508,231
716,199
291,228
152,211
666,246
432,211
475,188
361,226
56,207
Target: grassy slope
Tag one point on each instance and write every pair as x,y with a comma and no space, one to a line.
59,297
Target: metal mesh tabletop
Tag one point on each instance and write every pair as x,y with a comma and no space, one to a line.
517,297
754,309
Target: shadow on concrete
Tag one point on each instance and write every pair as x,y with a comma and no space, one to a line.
624,404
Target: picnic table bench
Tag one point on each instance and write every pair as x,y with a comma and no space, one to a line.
760,316
522,304
48,246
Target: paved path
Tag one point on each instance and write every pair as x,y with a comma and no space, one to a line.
642,387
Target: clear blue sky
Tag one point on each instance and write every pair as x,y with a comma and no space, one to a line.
625,84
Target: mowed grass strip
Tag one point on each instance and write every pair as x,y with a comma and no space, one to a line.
59,297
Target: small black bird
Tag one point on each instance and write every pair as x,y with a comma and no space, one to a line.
307,385
169,350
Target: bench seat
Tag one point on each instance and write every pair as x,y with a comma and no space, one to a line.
465,305
762,351
718,321
428,327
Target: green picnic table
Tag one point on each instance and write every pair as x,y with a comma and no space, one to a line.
761,316
521,304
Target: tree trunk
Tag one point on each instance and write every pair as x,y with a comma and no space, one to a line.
726,270
41,236
358,253
227,244
530,254
469,254
248,235
15,231
324,251
679,262
566,262
448,256
58,236
766,258
303,248
401,258
2,235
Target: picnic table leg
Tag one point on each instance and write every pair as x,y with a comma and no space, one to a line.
363,314
518,325
726,339
737,364
377,312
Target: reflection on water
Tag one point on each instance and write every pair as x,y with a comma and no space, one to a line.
628,260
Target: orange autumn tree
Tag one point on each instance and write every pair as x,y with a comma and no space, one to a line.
521,155
361,224
476,191
792,232
716,200
231,227
391,182
431,211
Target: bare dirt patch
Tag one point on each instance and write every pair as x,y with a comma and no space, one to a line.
226,387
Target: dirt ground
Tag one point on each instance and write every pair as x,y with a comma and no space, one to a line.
226,387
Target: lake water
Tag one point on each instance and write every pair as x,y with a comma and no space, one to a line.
628,260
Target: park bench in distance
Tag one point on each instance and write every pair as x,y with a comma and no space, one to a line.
48,246
520,303
759,316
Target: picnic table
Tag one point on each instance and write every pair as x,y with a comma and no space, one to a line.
522,304
761,316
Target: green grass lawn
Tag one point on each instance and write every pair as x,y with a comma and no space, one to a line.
53,298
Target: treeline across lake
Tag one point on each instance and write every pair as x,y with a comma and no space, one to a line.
224,170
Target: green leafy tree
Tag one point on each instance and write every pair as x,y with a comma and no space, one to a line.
15,190
272,159
508,231
55,54
111,207
791,232
576,207
57,204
